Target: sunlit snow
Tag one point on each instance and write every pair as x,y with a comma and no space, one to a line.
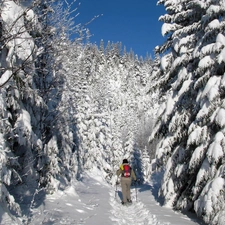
92,201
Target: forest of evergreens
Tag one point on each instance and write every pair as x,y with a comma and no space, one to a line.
68,105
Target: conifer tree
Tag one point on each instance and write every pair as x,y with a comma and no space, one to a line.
18,97
191,75
30,92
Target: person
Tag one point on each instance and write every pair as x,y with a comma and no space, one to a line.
127,174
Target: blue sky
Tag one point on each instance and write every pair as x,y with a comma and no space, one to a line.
132,22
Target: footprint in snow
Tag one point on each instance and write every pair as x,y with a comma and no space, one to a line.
136,213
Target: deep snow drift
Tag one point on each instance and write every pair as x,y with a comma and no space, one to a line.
92,201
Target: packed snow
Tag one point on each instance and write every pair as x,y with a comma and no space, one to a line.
93,201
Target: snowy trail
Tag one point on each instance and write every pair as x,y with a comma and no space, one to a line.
92,201
145,210
136,213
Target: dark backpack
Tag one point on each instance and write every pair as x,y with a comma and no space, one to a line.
126,171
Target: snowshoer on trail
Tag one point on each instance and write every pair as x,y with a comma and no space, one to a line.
127,174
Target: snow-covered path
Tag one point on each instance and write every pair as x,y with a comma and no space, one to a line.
145,210
135,213
92,201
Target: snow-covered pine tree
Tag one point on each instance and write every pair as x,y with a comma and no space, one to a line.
63,68
208,190
93,133
56,121
146,164
30,151
192,150
19,101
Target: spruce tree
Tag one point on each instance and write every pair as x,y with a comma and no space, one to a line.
191,71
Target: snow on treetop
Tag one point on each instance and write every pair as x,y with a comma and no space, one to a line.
220,119
195,136
208,49
206,62
220,38
209,196
215,152
166,28
164,62
213,9
30,16
211,89
219,137
214,24
196,156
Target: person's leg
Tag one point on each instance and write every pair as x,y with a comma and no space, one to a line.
124,190
128,190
